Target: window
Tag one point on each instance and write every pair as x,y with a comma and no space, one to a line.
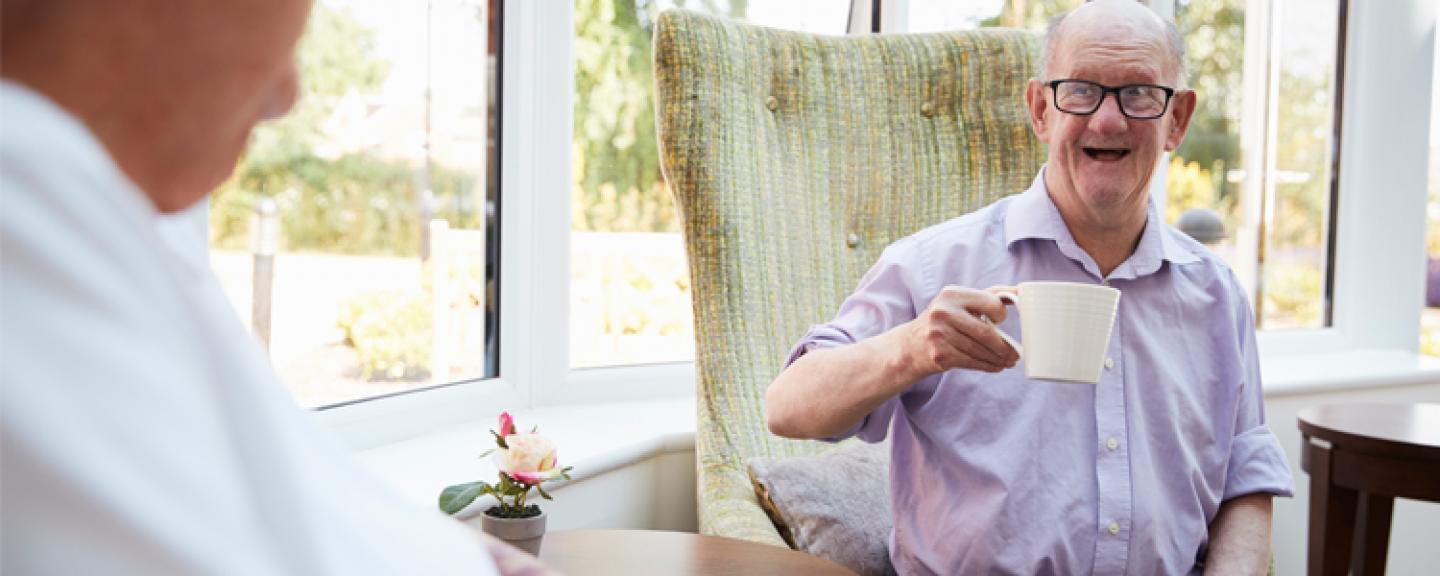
1276,220
630,288
576,95
1207,172
1297,182
358,235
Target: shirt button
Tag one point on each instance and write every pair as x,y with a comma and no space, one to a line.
1112,444
1109,363
1114,528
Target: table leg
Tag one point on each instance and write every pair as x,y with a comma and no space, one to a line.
1372,534
1332,517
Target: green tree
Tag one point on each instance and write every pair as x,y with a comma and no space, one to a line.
357,203
1030,14
618,186
1214,35
336,57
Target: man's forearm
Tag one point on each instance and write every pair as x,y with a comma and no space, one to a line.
829,390
1240,536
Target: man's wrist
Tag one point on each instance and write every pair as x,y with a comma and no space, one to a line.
901,367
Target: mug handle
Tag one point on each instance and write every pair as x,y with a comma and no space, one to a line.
1012,299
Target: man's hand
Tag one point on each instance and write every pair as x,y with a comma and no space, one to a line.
950,334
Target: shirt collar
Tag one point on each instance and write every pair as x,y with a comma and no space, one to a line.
1033,215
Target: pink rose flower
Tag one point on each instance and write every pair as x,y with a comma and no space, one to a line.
507,424
530,458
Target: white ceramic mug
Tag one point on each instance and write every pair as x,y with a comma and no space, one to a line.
1066,327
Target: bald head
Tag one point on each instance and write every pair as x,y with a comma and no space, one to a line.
1115,18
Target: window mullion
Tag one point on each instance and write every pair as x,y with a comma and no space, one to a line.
1380,256
549,146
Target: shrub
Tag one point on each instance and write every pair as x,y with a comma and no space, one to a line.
391,333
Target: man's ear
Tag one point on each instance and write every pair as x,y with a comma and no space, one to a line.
1181,109
1035,104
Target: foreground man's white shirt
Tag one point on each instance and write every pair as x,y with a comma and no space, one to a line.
143,431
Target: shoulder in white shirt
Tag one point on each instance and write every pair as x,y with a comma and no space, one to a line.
142,430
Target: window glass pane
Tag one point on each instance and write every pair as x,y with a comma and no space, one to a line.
383,188
630,288
1430,315
1292,120
1206,174
1296,227
941,15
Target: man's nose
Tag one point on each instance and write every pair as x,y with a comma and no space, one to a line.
1108,119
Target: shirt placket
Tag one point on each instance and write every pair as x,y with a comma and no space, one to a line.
1112,462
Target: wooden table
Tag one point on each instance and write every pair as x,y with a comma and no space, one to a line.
1360,458
628,552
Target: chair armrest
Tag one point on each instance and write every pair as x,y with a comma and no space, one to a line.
729,507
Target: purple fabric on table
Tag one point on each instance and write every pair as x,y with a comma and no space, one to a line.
996,473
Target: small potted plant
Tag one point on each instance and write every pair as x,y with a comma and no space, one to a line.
525,460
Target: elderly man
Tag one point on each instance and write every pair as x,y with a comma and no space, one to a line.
1164,467
143,431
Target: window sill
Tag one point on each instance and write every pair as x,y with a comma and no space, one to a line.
1293,375
599,438
594,439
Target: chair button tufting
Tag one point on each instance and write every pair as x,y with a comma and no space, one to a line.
852,240
772,103
927,109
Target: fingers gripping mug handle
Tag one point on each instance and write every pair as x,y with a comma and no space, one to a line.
1009,298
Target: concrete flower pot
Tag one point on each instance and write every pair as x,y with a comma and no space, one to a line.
522,533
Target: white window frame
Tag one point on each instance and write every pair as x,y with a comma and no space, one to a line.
1380,234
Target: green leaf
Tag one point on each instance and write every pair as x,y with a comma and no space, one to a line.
455,498
487,453
499,440
543,493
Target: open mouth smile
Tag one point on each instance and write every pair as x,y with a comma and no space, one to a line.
1105,154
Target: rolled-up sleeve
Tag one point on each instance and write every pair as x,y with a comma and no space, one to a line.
1257,463
882,301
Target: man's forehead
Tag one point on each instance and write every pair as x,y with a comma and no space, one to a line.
1112,47
1137,61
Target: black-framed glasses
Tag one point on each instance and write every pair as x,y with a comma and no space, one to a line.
1138,101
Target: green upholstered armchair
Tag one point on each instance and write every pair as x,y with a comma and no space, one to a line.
795,159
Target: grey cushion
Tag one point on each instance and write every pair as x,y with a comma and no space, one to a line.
834,505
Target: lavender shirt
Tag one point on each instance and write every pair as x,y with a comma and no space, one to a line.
997,473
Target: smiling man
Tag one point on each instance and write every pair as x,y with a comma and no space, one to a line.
1163,467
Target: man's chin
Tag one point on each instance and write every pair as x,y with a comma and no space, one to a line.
185,193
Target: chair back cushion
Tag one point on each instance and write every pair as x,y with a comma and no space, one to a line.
795,159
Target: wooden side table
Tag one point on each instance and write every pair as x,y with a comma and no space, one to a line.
627,552
1360,458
